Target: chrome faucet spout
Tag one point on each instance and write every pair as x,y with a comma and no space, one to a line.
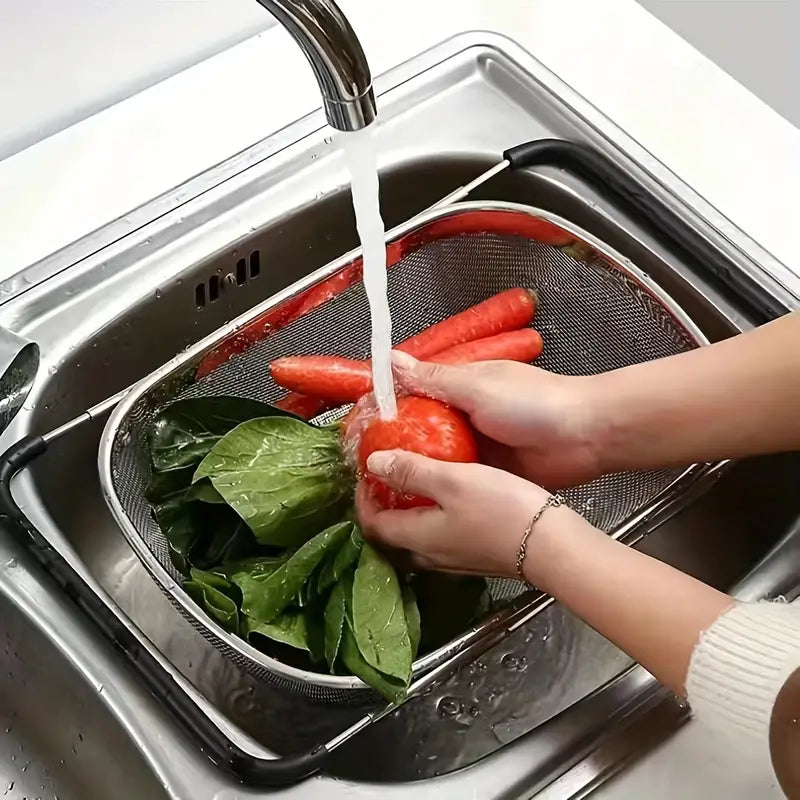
336,56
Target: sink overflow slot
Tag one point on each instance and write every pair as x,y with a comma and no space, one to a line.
246,270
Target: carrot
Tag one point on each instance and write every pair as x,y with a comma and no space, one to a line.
524,345
302,405
507,311
339,380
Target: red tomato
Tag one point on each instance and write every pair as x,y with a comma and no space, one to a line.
422,426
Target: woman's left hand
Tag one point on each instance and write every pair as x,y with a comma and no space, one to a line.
476,526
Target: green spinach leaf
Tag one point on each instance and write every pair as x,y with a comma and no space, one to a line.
176,485
285,478
201,534
182,434
213,594
336,564
265,596
413,621
195,533
335,611
227,538
298,629
254,565
392,689
379,619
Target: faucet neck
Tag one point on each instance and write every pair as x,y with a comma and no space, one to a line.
336,57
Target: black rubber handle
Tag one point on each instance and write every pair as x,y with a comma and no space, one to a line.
651,212
267,773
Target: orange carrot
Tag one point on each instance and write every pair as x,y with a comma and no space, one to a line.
337,380
507,311
524,345
302,405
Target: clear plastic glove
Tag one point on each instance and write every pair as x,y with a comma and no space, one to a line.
536,424
476,526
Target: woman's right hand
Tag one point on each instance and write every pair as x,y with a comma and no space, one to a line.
536,424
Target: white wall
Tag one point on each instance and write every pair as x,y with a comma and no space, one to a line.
63,60
755,41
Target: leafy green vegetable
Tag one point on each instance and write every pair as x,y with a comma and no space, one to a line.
212,593
183,433
413,621
199,533
265,596
196,534
298,629
392,689
255,566
228,538
337,564
335,612
379,619
257,508
285,478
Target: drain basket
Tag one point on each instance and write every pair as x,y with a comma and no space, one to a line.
598,312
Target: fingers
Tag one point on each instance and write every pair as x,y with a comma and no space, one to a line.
397,531
414,474
451,384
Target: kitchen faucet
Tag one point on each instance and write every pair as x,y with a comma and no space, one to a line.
335,55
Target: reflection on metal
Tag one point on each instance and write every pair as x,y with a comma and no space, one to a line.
335,54
19,362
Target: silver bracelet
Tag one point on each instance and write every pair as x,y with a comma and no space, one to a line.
554,501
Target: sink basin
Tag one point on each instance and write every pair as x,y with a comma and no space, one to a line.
526,712
56,728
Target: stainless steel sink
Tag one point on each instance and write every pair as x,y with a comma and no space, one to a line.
60,736
110,309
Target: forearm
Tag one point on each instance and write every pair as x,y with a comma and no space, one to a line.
732,399
648,609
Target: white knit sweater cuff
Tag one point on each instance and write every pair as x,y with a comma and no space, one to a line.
737,670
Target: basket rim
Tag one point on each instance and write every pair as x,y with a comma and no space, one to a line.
344,683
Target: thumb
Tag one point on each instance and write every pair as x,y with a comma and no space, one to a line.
412,473
450,384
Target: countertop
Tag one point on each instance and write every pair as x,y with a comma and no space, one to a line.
734,150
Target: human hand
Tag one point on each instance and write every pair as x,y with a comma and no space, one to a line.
477,525
536,424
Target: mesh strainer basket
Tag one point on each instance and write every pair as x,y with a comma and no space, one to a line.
597,312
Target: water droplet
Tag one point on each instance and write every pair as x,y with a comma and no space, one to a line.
11,563
509,661
449,707
158,294
329,140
